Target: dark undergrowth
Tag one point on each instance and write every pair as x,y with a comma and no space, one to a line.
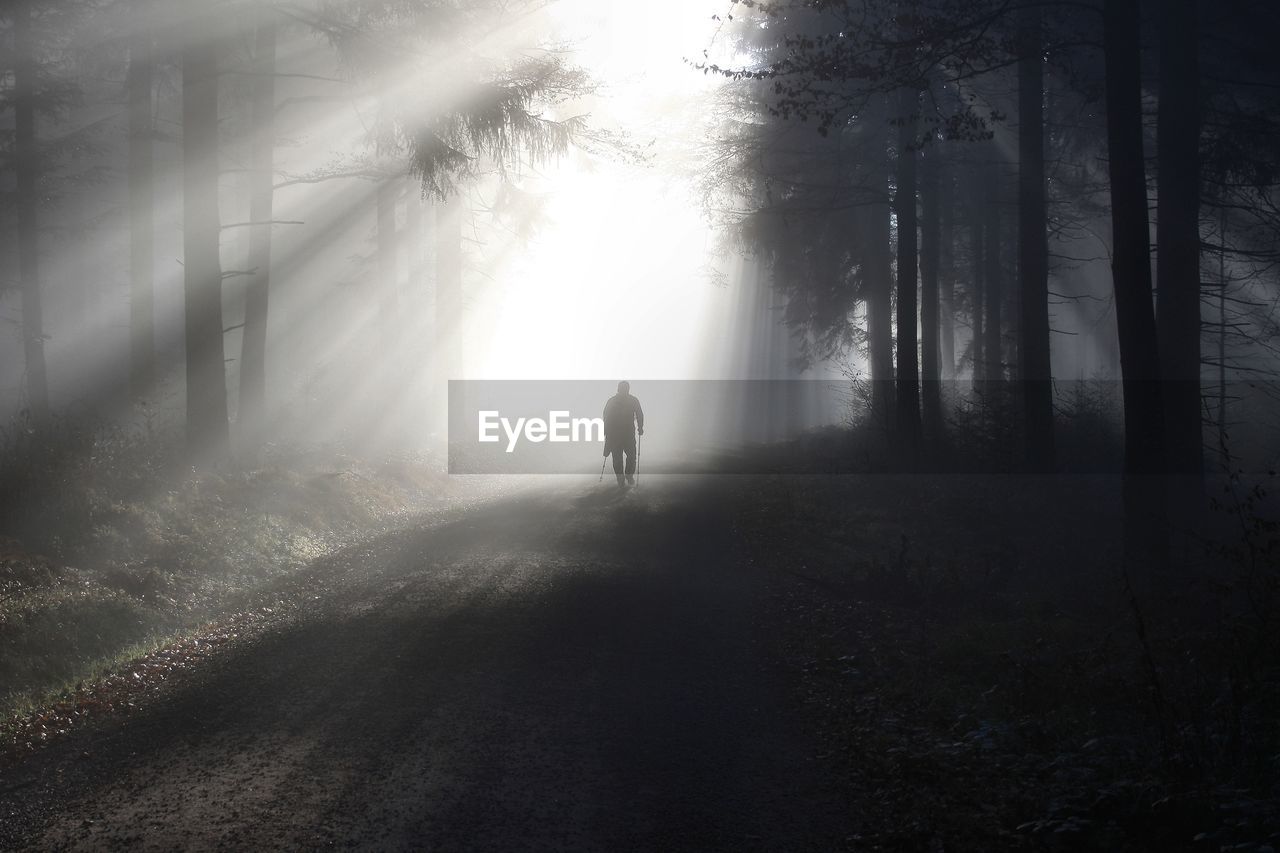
109,546
976,664
978,433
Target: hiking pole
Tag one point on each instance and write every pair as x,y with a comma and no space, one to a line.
602,461
637,461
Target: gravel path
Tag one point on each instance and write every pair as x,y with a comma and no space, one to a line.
568,669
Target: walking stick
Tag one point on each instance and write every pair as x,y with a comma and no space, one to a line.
637,461
602,461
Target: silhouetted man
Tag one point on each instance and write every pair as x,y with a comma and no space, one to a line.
622,417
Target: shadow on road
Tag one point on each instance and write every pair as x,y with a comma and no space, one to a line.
561,670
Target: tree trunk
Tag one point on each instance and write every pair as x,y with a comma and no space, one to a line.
992,286
977,240
387,250
947,272
26,198
1131,271
412,240
141,207
1222,336
878,284
930,370
1178,245
449,287
1034,367
1011,313
878,275
413,403
208,440
907,428
253,351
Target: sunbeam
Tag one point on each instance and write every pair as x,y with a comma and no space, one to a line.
717,425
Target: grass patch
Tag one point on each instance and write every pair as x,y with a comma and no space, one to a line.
54,636
108,546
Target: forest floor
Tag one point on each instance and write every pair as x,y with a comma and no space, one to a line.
115,550
875,662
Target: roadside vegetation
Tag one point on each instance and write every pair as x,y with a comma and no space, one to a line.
109,547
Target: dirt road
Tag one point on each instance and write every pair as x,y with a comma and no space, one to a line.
570,668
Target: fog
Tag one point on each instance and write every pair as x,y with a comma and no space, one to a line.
689,424
594,261
604,223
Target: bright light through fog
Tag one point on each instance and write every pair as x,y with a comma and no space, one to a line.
646,44
576,244
616,282
615,285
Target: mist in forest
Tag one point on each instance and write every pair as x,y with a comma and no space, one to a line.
387,198
302,300
380,198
